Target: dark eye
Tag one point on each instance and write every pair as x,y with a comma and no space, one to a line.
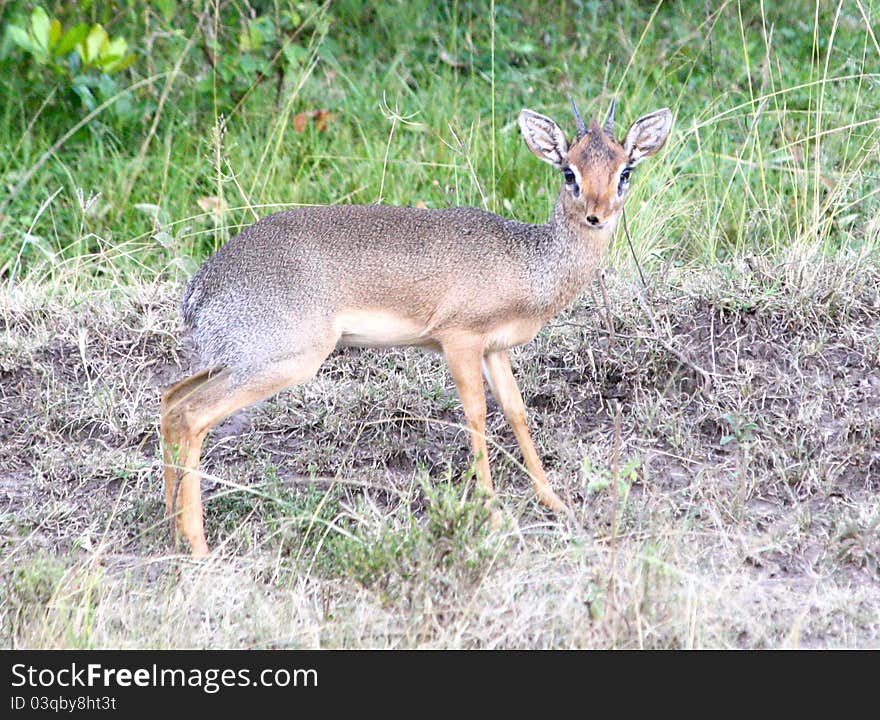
624,181
571,182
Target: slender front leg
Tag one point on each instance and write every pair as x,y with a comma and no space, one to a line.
506,392
464,356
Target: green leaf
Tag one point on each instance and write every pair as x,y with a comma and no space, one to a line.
123,63
262,30
21,38
244,41
113,56
117,46
40,28
107,87
105,62
86,96
168,8
295,54
249,65
290,19
86,80
92,45
54,32
71,39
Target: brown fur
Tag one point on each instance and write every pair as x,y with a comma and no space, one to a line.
269,306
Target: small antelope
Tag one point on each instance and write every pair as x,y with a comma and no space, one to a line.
269,306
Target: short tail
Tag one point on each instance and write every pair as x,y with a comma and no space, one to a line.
190,302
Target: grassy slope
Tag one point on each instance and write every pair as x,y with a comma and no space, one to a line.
745,517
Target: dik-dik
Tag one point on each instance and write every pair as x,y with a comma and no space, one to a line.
269,306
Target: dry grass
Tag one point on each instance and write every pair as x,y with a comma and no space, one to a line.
748,470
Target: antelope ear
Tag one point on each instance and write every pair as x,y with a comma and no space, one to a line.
543,137
647,135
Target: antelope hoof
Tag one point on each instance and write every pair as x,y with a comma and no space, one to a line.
551,500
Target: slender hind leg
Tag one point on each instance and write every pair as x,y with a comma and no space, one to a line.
506,392
195,405
175,447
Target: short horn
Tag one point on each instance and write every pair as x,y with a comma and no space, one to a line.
579,121
609,121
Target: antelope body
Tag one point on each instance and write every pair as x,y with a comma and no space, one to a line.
269,306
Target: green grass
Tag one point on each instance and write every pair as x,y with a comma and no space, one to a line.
775,141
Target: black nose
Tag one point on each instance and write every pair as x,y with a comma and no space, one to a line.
592,219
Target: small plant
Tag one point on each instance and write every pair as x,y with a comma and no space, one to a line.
28,590
597,479
267,45
82,57
85,47
277,512
859,544
740,430
392,550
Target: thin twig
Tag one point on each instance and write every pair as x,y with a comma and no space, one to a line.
612,338
658,335
633,251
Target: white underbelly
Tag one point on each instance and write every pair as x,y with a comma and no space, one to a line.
514,332
378,328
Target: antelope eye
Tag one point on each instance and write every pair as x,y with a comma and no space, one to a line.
624,181
569,176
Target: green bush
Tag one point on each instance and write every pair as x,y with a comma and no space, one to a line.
83,57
